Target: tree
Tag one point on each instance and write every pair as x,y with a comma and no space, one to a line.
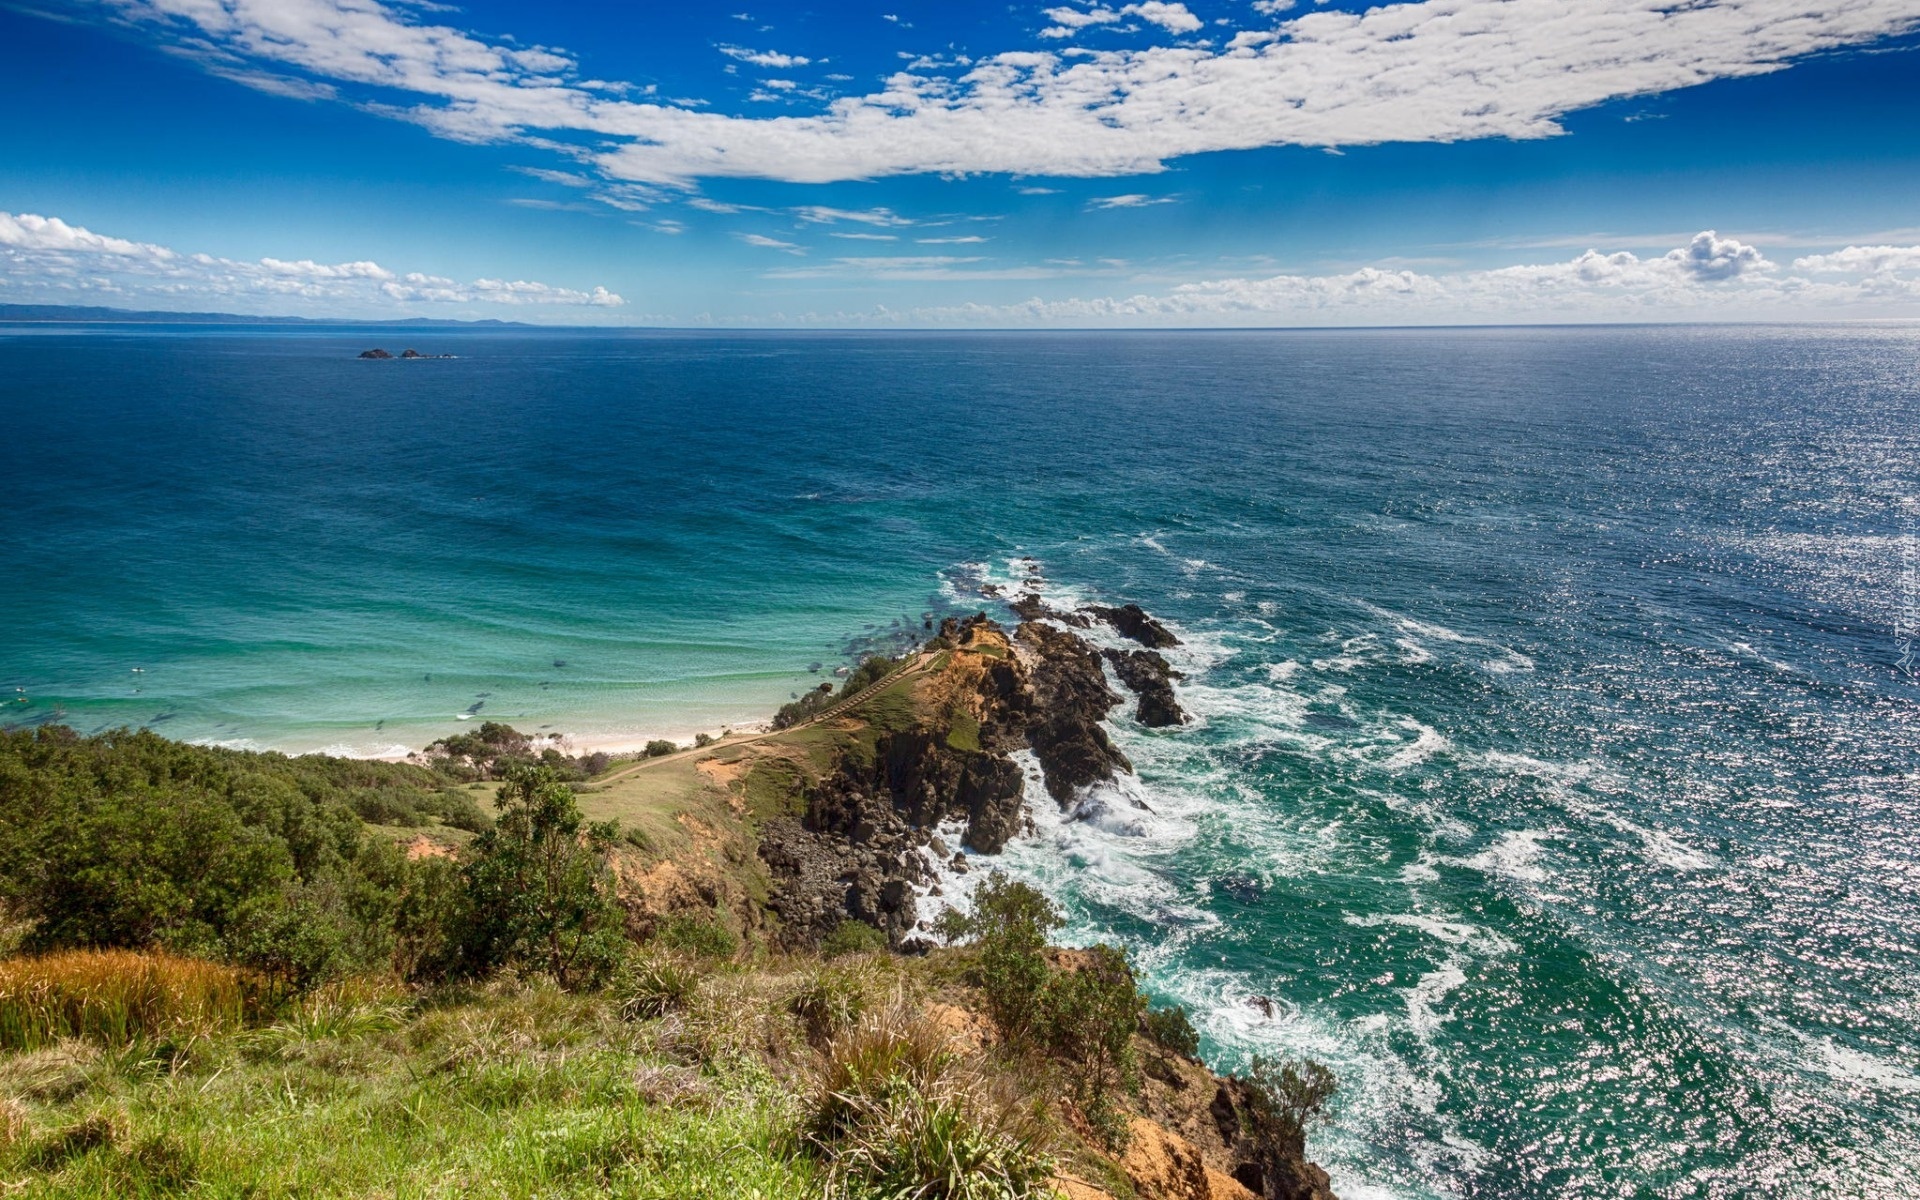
538,886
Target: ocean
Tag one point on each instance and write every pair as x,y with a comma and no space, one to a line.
1554,772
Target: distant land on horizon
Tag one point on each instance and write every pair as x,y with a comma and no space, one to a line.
73,314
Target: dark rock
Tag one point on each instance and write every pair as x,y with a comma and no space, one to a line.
1070,699
1148,676
1133,622
411,354
1031,607
375,353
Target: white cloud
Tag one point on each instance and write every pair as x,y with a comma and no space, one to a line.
1421,71
45,260
1710,256
763,58
1174,18
767,243
1710,277
820,214
1865,259
1130,200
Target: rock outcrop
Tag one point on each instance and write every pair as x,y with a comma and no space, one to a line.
1148,676
1133,622
1069,698
865,839
375,353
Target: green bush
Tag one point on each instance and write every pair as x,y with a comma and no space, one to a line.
538,888
653,985
1286,1097
128,840
1171,1029
830,1000
660,748
852,937
1009,925
1086,1021
703,936
805,708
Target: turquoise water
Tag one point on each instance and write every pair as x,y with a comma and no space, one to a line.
1556,773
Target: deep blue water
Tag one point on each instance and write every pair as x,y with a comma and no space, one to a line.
1555,771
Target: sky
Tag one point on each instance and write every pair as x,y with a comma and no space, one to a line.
1078,163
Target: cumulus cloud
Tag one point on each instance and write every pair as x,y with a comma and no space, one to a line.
1711,276
1866,259
45,260
1174,18
1422,71
1710,256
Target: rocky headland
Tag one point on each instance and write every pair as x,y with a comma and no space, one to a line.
862,812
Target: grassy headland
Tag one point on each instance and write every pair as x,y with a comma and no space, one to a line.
506,972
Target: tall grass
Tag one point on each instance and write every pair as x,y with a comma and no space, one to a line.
119,996
898,1112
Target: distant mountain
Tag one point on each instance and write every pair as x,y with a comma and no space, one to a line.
78,314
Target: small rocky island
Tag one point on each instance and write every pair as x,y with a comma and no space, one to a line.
377,352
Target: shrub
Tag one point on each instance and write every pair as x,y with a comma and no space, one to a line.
595,763
804,708
1086,1019
852,937
703,936
895,1111
333,1013
538,894
829,1001
660,748
654,985
868,673
1009,924
1171,1029
128,840
702,740
1285,1098
120,996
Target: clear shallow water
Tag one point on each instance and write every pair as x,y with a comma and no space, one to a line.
1553,770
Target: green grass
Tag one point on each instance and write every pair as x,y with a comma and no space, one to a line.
530,1094
964,733
774,789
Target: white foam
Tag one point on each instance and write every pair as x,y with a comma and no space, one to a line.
1515,856
1422,1017
1857,1067
1449,930
1507,660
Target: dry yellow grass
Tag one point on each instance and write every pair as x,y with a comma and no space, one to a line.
117,996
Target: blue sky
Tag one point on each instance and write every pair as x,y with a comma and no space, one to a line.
1236,162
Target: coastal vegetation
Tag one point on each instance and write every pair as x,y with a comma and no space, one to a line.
234,974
